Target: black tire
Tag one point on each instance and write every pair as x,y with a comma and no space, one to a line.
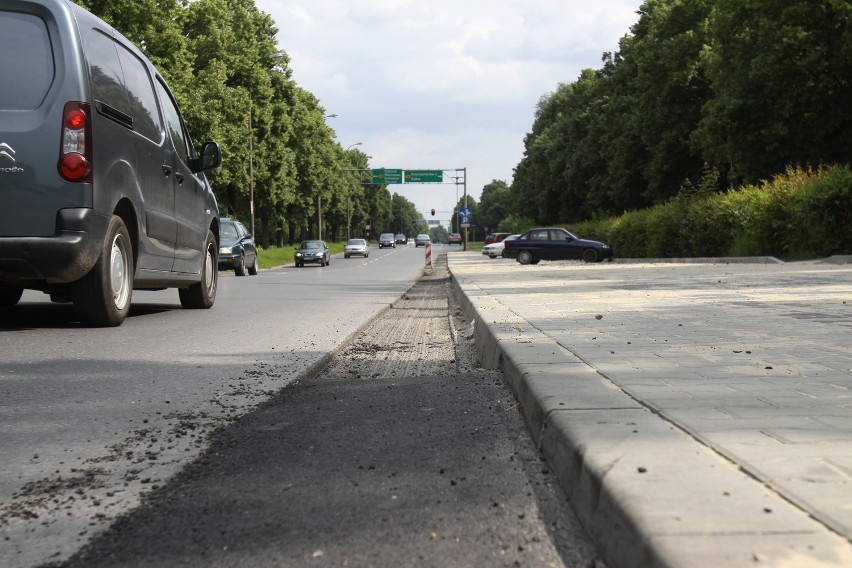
525,257
590,255
10,295
345,256
240,266
202,294
252,270
102,297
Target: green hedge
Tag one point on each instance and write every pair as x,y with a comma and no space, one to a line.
804,213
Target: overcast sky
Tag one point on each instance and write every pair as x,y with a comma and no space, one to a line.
442,84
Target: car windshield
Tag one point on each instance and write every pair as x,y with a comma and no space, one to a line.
311,245
228,230
356,242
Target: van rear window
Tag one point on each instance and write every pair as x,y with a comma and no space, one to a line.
26,61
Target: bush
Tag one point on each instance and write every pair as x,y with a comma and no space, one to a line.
804,213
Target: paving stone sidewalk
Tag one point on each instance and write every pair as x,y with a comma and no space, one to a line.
700,413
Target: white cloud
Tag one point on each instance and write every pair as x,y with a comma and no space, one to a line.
441,84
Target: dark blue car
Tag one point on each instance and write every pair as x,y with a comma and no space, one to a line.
555,244
237,250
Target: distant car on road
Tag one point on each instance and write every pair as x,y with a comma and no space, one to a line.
237,250
387,240
554,244
496,249
315,251
454,239
400,239
356,247
421,240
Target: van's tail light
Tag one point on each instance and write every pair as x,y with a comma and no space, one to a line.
75,154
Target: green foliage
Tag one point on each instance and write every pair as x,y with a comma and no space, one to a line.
221,60
438,234
740,88
804,213
516,224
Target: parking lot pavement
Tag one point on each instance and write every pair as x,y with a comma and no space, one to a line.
699,413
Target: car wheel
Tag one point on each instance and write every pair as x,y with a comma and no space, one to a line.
202,294
345,256
9,295
240,266
102,297
590,255
525,257
328,261
252,270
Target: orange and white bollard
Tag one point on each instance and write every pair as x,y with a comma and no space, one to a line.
428,248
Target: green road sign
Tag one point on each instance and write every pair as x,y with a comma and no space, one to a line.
424,176
386,176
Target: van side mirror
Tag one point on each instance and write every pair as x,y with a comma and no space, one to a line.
211,157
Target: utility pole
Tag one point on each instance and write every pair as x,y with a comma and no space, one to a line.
464,185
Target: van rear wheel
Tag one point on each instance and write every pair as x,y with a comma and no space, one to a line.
202,294
102,297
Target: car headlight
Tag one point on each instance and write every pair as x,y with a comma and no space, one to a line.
605,246
225,250
298,254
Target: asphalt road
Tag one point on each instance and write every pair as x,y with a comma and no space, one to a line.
400,453
92,419
365,464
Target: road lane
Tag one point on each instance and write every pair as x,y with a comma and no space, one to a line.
92,418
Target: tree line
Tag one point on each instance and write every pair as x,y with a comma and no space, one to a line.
234,86
701,93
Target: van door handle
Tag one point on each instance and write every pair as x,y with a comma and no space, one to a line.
179,178
167,170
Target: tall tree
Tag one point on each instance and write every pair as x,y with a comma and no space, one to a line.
781,72
495,204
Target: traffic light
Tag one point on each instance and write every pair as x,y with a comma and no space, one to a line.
433,212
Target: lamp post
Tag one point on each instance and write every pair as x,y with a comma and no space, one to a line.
275,56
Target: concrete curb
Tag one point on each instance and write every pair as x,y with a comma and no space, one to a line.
647,492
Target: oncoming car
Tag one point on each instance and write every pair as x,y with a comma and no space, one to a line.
387,240
554,244
313,252
421,240
356,247
237,250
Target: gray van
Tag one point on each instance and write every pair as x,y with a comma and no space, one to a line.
102,190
